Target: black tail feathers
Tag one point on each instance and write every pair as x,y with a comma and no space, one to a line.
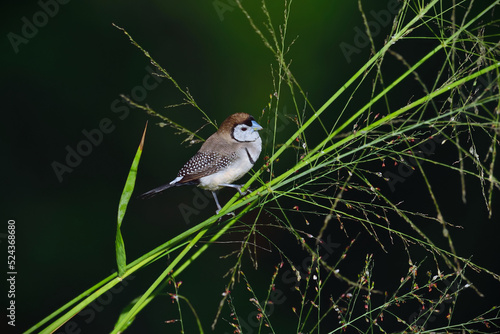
164,187
155,191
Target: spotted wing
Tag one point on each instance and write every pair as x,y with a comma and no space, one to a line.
203,164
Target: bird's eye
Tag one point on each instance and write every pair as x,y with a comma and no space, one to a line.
244,129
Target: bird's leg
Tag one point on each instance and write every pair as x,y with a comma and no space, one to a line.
216,202
218,205
236,186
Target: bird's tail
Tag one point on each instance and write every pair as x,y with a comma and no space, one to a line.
175,183
156,191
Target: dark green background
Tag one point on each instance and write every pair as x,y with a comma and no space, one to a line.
65,80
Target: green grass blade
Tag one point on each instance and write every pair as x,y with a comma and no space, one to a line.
75,310
121,257
69,304
127,309
144,299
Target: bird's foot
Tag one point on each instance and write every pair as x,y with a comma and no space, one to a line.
243,193
227,214
237,187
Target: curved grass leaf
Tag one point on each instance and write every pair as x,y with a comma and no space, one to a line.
121,257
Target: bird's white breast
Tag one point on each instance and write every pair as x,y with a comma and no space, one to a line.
239,166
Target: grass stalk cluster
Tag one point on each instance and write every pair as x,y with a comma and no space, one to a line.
340,182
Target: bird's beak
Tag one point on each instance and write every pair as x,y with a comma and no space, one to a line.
256,126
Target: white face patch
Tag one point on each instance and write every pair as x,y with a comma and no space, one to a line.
245,133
